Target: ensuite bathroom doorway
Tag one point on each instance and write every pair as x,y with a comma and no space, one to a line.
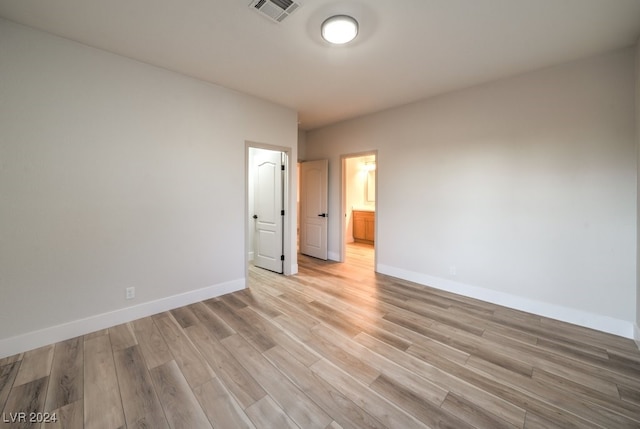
359,208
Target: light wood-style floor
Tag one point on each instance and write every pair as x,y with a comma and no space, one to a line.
335,346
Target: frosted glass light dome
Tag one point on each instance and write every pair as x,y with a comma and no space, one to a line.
339,29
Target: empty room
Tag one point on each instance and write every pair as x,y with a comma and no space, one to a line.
319,214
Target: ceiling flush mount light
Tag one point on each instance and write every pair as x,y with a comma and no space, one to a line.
339,29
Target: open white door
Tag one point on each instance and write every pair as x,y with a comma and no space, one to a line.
268,210
313,208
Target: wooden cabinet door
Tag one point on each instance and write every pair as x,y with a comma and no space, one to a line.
369,228
359,227
363,226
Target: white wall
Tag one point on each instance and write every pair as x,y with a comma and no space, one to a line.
637,72
114,173
302,145
527,186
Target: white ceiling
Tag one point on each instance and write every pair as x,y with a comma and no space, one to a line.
406,50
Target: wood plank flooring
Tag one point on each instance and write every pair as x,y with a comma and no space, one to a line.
336,346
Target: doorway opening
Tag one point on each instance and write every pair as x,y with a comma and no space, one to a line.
359,205
268,227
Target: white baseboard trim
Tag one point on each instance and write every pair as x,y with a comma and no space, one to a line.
577,317
31,340
636,334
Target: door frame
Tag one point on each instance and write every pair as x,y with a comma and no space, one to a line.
290,255
343,203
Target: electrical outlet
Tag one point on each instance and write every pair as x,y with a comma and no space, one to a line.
130,293
453,270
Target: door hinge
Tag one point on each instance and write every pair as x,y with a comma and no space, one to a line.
282,167
282,257
282,212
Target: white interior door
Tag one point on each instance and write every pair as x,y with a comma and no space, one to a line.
268,210
313,208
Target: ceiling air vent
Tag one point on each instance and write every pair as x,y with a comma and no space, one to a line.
275,10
